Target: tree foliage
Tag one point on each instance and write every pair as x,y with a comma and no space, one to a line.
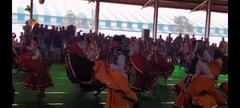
183,24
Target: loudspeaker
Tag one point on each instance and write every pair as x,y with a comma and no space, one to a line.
145,34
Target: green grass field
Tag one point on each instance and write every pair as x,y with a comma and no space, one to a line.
65,94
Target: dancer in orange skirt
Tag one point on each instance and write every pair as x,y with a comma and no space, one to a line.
113,75
199,87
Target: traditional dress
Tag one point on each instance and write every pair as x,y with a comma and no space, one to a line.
79,67
140,62
200,88
140,67
162,65
119,94
106,50
200,82
79,61
113,75
37,78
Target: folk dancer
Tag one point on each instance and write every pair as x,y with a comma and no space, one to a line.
113,74
38,79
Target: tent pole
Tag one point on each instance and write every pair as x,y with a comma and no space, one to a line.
31,9
97,16
208,20
146,4
199,6
155,20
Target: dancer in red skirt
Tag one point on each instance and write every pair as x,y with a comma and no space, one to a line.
37,78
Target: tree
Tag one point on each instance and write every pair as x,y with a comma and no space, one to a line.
188,27
183,24
70,18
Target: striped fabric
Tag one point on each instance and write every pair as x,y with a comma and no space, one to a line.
119,17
